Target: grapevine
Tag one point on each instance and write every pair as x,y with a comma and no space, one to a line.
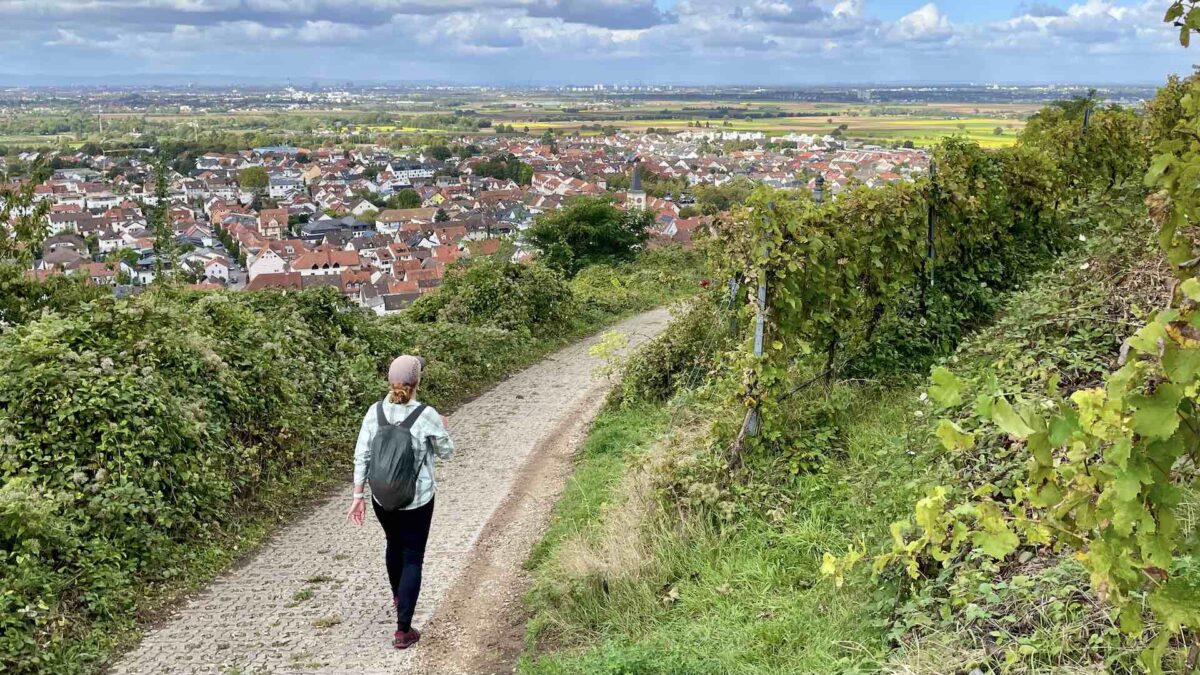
1107,466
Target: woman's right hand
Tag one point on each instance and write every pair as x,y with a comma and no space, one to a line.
357,512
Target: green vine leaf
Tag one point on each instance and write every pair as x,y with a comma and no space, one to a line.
1157,416
1177,603
1008,420
994,538
953,437
946,389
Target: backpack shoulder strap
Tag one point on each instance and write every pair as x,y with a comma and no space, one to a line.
413,417
382,419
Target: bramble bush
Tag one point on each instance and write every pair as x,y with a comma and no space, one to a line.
133,428
500,294
683,356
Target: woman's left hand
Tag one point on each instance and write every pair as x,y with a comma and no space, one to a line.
357,512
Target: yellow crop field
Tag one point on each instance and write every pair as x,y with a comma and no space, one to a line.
922,131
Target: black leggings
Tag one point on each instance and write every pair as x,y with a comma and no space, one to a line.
407,532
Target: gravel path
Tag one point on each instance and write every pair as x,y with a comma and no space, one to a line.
315,600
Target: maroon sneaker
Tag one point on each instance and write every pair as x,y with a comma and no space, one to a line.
406,638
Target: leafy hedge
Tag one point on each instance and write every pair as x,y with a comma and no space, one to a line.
851,283
137,435
682,356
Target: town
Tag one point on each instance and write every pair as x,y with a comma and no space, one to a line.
382,226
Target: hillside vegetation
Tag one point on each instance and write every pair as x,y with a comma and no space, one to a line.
147,442
1025,506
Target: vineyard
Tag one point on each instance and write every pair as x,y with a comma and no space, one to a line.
809,496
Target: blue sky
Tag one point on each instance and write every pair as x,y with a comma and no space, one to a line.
768,42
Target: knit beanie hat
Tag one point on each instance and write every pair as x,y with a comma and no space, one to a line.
405,369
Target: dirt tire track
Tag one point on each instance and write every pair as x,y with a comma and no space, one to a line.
480,625
314,598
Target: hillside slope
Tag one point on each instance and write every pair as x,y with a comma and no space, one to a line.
724,576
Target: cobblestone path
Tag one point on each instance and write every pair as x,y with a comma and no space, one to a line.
315,600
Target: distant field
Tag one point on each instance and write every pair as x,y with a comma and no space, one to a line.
37,140
922,124
921,131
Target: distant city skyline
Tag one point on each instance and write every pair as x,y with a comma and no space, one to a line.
650,42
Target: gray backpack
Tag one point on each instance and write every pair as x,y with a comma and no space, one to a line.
394,465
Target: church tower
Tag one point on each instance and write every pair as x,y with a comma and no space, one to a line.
636,199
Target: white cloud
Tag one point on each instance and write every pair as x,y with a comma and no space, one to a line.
567,39
926,24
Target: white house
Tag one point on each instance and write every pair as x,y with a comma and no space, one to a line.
217,269
267,262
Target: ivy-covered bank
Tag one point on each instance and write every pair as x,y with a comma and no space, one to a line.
147,442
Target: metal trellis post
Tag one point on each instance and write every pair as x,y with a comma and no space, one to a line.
752,422
734,286
929,251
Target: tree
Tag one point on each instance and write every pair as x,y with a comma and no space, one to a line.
253,178
159,219
713,199
441,216
407,198
998,131
589,230
439,152
22,223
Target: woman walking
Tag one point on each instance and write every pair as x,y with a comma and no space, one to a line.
407,525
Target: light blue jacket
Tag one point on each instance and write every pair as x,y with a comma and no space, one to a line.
427,427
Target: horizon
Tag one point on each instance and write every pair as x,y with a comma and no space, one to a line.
225,81
530,43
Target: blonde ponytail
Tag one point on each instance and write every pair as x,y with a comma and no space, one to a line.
401,393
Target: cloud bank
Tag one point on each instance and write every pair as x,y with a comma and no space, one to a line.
581,41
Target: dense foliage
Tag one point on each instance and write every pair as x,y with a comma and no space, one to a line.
23,223
1105,468
503,294
854,282
504,167
588,231
637,587
139,437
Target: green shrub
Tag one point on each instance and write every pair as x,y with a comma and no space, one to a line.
136,428
23,299
589,231
500,294
682,356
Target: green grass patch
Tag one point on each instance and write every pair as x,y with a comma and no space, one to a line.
616,439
